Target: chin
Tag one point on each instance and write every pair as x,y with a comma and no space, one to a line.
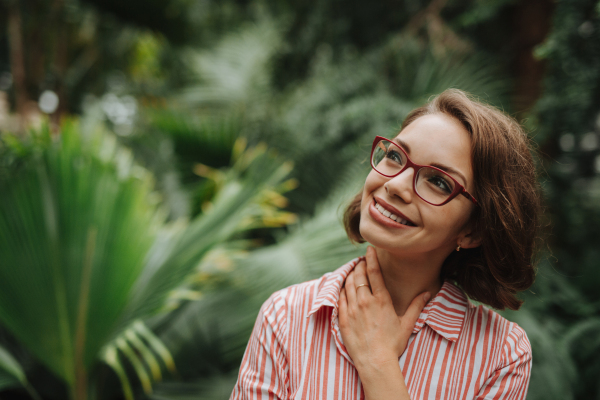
372,233
373,238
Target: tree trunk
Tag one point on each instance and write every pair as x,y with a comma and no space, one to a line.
61,60
62,64
533,20
17,62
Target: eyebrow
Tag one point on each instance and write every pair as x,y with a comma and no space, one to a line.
402,144
443,167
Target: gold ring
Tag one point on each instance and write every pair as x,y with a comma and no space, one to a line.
364,284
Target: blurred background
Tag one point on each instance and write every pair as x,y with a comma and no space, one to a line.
166,165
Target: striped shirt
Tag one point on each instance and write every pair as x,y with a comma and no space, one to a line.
457,350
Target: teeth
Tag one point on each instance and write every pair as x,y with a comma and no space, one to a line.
390,215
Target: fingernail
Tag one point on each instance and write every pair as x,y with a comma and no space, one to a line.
426,296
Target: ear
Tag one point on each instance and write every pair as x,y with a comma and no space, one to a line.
468,239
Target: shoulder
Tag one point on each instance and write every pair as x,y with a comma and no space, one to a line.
493,323
505,352
506,338
300,299
294,298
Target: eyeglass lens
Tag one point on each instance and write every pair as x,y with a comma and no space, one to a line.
431,185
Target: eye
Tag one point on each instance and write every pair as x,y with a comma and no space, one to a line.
394,156
441,182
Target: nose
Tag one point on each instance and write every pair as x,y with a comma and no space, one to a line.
401,185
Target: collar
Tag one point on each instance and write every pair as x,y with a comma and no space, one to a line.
444,313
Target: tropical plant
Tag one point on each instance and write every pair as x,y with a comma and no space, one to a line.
12,374
569,135
325,122
86,255
208,336
325,125
176,273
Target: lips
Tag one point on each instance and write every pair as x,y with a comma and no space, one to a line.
392,210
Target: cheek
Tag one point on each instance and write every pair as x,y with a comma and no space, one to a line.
373,182
451,219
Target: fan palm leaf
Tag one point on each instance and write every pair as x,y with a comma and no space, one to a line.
75,230
85,252
237,71
12,374
209,336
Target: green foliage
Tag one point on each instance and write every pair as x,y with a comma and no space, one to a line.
86,253
329,121
554,371
237,71
94,249
568,133
326,122
482,11
141,348
12,374
175,25
65,214
208,336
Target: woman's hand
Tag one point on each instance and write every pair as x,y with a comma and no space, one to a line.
372,332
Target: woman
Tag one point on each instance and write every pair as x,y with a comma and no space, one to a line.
450,208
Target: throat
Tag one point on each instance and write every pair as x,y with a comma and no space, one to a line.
406,278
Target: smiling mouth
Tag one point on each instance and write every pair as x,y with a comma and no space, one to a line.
392,216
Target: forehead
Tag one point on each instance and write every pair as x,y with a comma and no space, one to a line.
439,139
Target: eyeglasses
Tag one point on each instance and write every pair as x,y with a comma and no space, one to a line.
431,184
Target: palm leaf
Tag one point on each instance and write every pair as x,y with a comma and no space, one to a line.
236,207
110,355
142,349
205,138
209,336
217,388
84,251
421,74
236,71
12,374
75,228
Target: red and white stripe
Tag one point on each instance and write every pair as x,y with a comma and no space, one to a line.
457,350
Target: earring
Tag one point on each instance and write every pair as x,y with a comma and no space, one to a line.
458,248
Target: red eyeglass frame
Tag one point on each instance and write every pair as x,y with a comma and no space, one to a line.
458,189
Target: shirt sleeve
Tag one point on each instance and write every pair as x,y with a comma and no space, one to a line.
264,370
511,380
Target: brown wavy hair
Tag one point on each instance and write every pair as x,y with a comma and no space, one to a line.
509,206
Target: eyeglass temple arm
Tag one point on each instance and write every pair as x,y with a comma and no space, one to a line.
468,196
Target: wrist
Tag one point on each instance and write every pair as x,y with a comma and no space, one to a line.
383,380
377,367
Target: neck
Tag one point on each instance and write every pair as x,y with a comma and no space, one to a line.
406,277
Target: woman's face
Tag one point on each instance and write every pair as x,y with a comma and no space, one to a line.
436,139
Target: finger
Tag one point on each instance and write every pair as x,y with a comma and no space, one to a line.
374,273
360,278
350,289
409,319
342,307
